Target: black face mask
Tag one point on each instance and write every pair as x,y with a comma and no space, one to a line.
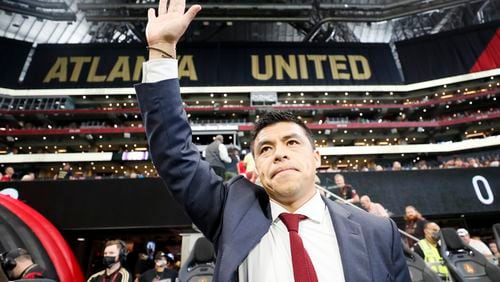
435,236
108,261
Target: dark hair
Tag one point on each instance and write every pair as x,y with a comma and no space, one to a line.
273,117
19,253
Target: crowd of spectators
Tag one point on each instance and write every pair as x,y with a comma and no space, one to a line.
244,165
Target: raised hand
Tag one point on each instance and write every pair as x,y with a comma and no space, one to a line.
165,30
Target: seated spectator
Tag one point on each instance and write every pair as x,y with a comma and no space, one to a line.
428,249
28,177
373,208
494,250
24,266
478,245
414,226
8,175
65,173
114,253
162,270
422,164
396,166
346,191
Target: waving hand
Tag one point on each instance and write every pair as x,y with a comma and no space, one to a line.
165,29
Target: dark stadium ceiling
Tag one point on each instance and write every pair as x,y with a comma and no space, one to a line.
86,21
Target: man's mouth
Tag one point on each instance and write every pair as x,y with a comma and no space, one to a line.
278,171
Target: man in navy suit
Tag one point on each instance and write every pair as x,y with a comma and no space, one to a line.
242,219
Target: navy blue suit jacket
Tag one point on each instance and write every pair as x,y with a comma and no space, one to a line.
235,215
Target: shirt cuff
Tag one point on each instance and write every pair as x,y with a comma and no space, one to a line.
158,70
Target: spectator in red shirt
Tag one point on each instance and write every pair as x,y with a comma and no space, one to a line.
9,172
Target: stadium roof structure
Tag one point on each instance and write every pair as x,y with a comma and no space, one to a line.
87,21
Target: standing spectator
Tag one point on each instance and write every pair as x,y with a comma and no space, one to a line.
65,173
115,253
8,175
373,208
232,167
415,223
346,191
478,245
216,155
250,167
162,271
428,249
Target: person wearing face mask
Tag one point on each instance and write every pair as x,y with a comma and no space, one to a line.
115,252
161,271
18,264
428,249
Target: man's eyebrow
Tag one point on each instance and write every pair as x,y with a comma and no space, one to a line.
286,137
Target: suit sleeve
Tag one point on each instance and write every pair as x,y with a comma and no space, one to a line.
400,268
177,159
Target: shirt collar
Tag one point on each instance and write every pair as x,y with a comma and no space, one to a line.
314,209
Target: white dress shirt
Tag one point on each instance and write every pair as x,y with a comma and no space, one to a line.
271,259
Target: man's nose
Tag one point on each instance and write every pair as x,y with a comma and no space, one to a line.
280,153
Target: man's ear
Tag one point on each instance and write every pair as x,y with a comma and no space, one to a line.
317,158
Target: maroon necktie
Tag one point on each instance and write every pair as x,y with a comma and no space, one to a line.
303,269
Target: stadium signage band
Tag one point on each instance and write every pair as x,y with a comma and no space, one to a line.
276,67
111,65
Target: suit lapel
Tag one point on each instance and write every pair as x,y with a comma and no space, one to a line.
249,227
352,245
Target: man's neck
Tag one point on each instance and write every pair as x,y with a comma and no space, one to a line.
431,242
27,268
295,205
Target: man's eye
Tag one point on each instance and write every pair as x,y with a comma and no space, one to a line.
293,142
264,149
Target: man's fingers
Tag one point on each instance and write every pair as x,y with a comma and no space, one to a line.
177,6
151,14
191,13
162,7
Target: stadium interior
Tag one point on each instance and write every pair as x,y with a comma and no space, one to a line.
441,122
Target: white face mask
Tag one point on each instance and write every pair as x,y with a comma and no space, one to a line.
161,262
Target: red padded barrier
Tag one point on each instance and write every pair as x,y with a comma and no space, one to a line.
62,257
